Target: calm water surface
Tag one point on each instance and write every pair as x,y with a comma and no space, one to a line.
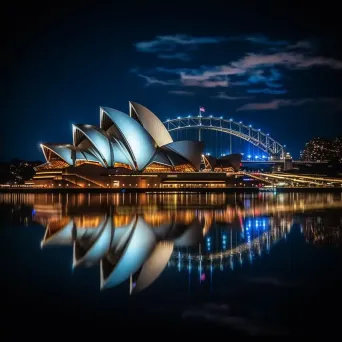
244,264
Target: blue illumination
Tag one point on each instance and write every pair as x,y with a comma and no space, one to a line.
250,125
33,212
189,116
179,117
249,156
256,157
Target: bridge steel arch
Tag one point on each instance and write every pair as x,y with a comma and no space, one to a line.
238,129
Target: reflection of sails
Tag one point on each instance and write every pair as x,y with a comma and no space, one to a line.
136,251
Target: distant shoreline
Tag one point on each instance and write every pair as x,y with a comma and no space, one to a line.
163,190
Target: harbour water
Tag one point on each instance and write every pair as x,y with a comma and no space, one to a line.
247,264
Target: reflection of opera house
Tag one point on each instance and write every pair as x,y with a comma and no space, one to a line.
136,250
134,150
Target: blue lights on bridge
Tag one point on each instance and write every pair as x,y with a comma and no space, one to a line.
257,157
224,136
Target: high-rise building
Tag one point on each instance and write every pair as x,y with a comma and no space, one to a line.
321,149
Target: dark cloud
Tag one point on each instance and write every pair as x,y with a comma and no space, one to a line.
151,80
171,43
224,96
267,91
261,39
277,103
179,55
181,92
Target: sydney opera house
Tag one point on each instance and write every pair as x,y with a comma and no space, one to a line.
134,150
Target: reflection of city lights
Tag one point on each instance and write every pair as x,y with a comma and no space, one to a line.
248,239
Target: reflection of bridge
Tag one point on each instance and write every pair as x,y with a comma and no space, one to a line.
248,250
231,127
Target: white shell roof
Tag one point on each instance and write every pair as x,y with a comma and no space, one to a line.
190,150
151,123
98,138
136,139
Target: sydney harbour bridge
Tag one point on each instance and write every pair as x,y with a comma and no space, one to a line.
262,148
256,137
268,149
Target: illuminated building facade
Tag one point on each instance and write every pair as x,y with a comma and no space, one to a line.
134,150
320,149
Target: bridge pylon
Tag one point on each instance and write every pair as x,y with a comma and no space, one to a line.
288,163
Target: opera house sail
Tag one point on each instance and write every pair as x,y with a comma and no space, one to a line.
136,144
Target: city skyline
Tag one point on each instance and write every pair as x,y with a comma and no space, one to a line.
249,64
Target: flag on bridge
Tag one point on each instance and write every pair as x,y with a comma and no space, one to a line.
202,109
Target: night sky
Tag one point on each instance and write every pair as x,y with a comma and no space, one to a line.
277,68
